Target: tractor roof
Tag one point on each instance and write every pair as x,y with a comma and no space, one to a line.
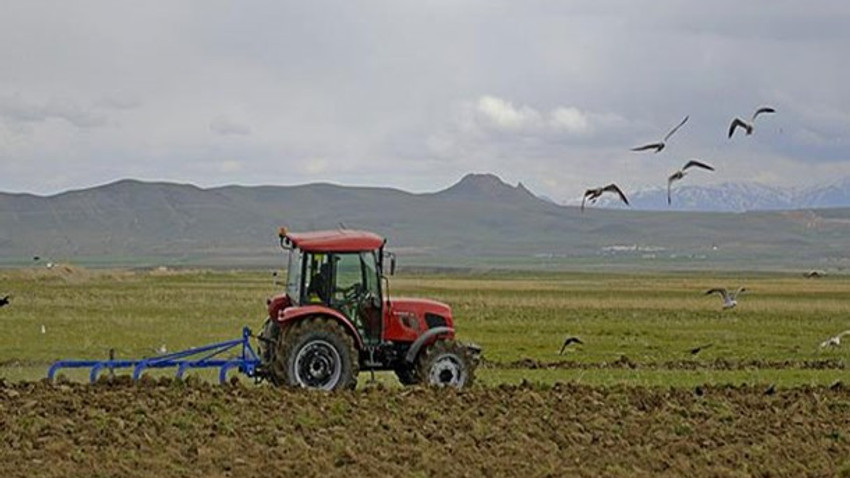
340,240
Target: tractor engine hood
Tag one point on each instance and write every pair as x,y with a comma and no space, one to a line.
425,313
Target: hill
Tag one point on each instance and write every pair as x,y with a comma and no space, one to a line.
737,197
480,221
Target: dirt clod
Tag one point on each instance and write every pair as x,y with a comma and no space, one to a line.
172,428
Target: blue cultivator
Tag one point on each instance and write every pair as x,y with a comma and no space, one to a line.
198,357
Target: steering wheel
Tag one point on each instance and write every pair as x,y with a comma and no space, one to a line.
350,294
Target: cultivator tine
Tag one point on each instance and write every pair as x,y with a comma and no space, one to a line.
246,362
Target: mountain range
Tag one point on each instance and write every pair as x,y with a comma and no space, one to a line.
737,197
478,222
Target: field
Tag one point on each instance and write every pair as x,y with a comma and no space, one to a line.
763,398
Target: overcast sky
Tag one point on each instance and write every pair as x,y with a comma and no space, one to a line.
414,95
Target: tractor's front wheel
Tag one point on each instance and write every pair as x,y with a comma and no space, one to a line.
407,375
316,353
447,363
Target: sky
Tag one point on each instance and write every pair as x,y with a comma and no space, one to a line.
414,95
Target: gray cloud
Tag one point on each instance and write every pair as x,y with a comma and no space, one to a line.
413,95
225,126
16,109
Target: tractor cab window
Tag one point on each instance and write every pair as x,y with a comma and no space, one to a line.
317,281
356,292
293,275
370,273
348,277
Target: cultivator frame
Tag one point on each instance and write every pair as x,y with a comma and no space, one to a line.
196,357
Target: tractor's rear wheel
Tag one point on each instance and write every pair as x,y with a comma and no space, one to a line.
316,353
447,363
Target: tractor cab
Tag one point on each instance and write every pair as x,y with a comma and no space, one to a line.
348,282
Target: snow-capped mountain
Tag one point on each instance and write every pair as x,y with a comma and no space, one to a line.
735,197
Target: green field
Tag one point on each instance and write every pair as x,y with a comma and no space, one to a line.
648,320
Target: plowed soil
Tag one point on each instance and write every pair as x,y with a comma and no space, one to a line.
169,429
717,364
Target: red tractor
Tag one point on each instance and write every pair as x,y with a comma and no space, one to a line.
336,318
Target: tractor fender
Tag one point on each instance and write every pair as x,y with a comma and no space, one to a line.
293,314
413,351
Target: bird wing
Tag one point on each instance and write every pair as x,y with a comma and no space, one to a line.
740,289
568,341
669,182
765,109
614,188
842,334
673,177
736,123
590,193
676,128
720,291
694,163
656,146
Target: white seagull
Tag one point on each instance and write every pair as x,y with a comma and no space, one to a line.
661,144
834,341
748,126
593,194
681,174
729,299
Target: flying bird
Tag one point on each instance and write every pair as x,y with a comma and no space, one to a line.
593,194
661,144
4,301
729,299
748,126
681,174
570,340
834,341
813,275
699,349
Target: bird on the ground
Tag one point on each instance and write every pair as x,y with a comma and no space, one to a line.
4,301
162,349
813,275
729,298
834,341
661,144
748,126
593,194
43,329
681,174
699,349
770,390
570,340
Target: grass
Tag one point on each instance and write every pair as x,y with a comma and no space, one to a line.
648,317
